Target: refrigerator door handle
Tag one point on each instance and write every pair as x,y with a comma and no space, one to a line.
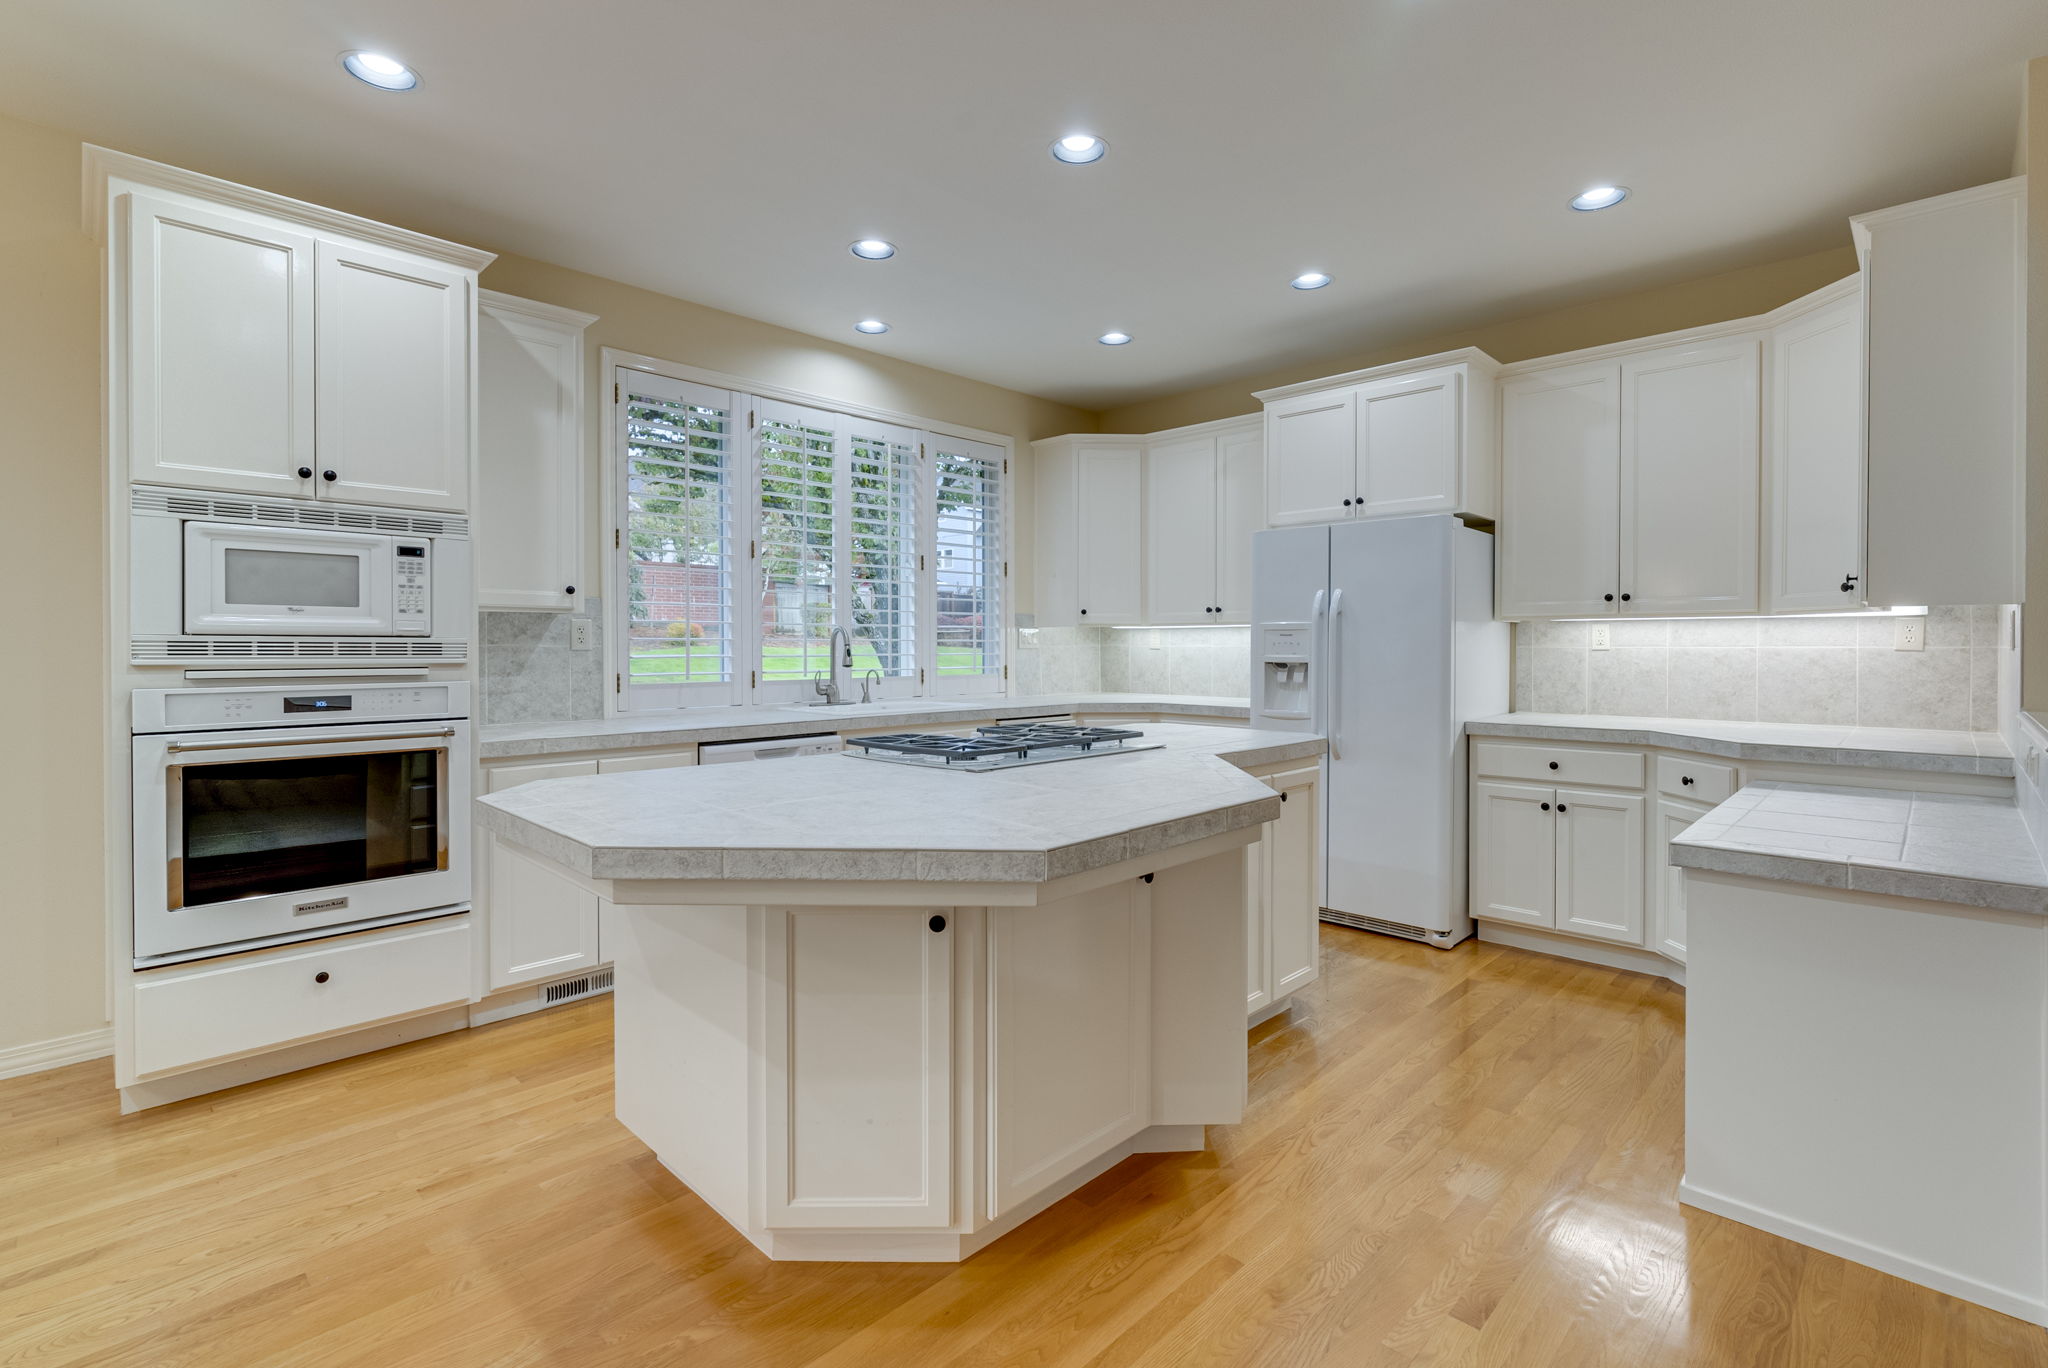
1315,661
1333,701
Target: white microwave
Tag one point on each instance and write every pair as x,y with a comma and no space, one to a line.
302,581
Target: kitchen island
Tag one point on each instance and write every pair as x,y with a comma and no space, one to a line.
876,1011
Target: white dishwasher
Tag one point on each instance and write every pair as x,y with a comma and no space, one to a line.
770,748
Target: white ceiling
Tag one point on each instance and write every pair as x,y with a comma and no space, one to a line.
727,151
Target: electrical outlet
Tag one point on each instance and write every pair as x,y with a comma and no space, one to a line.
1909,634
579,634
1597,638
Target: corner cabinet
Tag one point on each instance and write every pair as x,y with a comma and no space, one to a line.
1204,497
1394,440
1813,455
272,353
528,530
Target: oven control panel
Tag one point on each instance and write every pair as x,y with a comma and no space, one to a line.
292,705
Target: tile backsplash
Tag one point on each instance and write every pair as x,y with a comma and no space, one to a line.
530,672
1841,671
1211,661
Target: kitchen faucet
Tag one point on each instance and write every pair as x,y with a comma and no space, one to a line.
872,677
840,650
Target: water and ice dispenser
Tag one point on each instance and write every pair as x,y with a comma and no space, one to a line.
1284,664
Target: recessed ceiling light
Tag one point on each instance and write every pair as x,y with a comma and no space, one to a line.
1310,280
1114,339
374,68
1599,197
1078,149
871,325
873,249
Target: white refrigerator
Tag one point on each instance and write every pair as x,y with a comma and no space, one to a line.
1379,634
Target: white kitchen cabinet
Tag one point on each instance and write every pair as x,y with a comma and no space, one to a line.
1418,437
1514,853
1565,855
1291,892
858,1050
538,923
1689,463
1667,881
1258,935
1203,500
1600,865
1090,530
627,764
1944,310
1559,543
1813,455
219,350
528,532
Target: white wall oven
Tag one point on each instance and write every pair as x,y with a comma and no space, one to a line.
274,814
219,577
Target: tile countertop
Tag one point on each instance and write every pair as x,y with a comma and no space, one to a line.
1934,752
842,817
502,741
1941,847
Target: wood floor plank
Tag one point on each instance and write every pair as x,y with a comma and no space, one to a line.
1450,1160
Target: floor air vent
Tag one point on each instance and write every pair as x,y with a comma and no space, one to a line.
568,990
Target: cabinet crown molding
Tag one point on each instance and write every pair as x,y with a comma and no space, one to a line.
104,165
1859,227
499,302
1844,288
1463,356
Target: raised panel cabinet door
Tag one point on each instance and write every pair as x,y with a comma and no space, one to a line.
1258,926
1559,539
528,538
1410,445
1109,531
394,340
1600,865
542,924
1241,511
1291,864
1311,458
218,358
1814,454
1180,531
859,1079
1667,881
1514,853
1689,471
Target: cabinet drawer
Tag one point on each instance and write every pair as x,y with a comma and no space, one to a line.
1559,764
498,778
623,764
193,1014
1699,780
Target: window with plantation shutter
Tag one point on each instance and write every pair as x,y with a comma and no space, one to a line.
882,546
967,564
796,539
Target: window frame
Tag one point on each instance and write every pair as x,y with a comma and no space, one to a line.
744,688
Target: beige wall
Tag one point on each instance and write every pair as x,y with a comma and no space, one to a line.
1689,304
52,980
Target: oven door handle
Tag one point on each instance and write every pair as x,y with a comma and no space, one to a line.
178,747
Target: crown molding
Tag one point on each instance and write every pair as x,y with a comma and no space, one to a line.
1463,356
499,302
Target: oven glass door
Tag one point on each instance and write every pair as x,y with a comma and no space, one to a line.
251,828
241,579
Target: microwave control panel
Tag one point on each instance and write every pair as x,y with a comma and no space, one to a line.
412,588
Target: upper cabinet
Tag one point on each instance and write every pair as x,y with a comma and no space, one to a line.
528,533
1813,454
1419,437
264,346
1559,539
1203,500
1090,516
1944,314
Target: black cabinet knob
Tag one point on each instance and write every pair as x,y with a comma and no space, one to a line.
329,476
305,472
568,588
1685,779
1283,795
1347,503
937,923
1849,584
1624,598
1553,764
1610,598
320,977
1560,807
1084,612
1546,807
1146,877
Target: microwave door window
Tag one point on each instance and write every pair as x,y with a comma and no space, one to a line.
259,828
310,579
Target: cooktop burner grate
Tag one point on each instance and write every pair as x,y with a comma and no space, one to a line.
1000,747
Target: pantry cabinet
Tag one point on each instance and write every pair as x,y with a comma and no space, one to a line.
528,535
1204,495
1813,455
1414,438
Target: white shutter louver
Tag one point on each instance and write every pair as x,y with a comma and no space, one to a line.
678,533
967,569
798,456
882,502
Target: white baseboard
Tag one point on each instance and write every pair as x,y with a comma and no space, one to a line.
177,1087
2031,1309
39,1055
1585,951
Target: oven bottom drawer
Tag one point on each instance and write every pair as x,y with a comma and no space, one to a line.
197,1014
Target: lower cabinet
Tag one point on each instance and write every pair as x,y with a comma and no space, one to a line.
1282,899
1667,881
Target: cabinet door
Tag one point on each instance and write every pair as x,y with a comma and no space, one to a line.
219,351
1180,531
1689,441
1600,865
859,1068
1514,853
626,764
1241,511
498,778
1292,845
1311,458
394,379
528,539
1409,445
542,923
1559,538
1814,530
1109,522
1258,926
1667,881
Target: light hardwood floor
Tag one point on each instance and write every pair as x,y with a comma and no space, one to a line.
1449,1158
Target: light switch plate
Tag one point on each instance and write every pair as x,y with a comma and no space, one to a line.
1599,637
579,633
1909,634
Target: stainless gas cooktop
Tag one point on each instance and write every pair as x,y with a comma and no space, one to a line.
1000,747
